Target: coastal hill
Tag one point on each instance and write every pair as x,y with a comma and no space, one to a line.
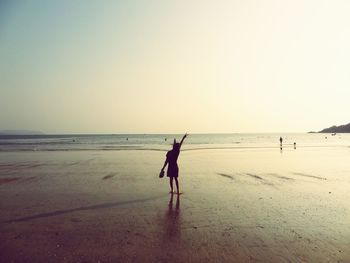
334,129
20,132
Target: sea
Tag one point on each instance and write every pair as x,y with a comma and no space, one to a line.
84,142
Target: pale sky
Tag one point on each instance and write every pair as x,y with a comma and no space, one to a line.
174,66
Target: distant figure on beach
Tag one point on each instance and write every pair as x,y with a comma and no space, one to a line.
295,145
171,160
281,140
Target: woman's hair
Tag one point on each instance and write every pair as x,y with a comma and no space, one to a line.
176,145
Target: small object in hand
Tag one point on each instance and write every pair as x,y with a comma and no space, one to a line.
161,174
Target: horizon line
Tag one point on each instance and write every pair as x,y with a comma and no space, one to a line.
156,133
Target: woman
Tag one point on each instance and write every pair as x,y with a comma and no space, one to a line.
171,160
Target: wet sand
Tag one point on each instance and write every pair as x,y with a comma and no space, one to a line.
242,205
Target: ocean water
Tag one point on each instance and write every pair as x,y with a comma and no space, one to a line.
163,141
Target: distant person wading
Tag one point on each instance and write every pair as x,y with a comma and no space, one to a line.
171,160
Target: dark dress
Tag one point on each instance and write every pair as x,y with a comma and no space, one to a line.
173,169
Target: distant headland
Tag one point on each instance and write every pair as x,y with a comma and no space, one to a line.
20,132
335,129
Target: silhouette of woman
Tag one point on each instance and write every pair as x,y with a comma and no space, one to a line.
171,160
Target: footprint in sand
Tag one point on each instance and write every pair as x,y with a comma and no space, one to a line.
227,176
108,176
310,176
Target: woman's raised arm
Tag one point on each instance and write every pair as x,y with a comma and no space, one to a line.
183,138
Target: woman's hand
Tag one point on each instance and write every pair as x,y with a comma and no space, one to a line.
183,138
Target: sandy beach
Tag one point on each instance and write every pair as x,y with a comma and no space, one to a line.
237,205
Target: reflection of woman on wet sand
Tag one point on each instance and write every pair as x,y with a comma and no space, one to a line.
172,219
171,160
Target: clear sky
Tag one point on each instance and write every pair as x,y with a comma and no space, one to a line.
174,66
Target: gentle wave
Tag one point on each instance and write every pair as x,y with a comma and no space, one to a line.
131,148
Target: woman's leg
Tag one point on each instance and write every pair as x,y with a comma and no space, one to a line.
171,183
177,185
